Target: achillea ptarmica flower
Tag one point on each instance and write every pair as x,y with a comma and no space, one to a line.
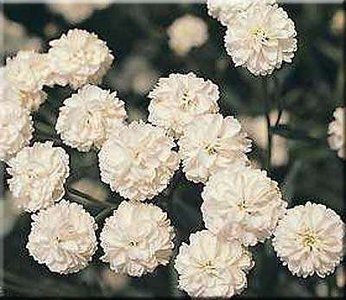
78,58
309,240
89,117
16,126
226,11
38,174
179,99
243,204
63,237
137,239
139,162
211,143
186,33
28,72
336,132
211,267
261,39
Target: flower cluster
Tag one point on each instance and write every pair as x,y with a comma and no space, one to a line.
260,36
139,162
242,203
78,58
89,117
180,98
28,71
63,237
210,267
186,33
16,126
309,239
137,238
241,206
38,174
211,143
226,11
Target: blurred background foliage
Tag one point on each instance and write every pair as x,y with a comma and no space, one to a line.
309,90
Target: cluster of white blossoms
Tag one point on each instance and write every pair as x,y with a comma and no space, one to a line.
187,32
78,58
226,11
211,267
211,143
260,36
138,162
16,126
241,206
63,237
180,98
336,132
38,174
242,203
309,239
89,117
137,238
28,72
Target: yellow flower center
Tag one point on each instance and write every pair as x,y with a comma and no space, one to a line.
186,101
309,239
211,149
260,34
208,267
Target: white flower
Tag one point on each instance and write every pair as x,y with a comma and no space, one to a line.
261,39
63,237
78,58
16,124
242,203
179,99
227,10
38,175
28,71
336,132
76,12
186,33
309,239
211,143
210,267
139,162
89,117
256,127
137,239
